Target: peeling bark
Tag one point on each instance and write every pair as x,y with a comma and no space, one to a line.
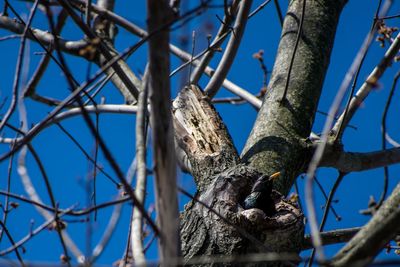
217,223
200,131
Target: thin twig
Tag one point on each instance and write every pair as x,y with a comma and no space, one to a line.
279,11
5,230
231,49
219,38
326,211
368,43
32,233
298,37
136,235
88,157
18,68
341,123
369,84
6,201
326,199
384,132
82,212
52,200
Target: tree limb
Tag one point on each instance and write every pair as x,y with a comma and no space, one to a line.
174,50
233,45
332,237
160,14
368,85
355,162
46,38
276,142
136,234
369,241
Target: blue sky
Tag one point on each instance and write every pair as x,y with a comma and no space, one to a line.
68,168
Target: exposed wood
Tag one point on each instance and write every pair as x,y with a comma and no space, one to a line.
217,222
200,132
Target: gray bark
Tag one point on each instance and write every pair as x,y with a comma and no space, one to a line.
159,13
216,223
277,141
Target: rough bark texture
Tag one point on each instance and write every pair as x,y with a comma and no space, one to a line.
369,241
217,223
244,231
277,141
200,132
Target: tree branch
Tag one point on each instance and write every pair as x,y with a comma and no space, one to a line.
276,142
199,132
159,15
355,162
235,89
332,237
233,45
368,85
222,34
366,244
136,234
129,83
46,38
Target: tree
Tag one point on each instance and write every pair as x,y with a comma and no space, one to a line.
214,227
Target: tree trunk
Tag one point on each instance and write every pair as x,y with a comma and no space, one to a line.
216,223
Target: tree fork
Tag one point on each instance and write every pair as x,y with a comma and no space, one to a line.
277,141
215,222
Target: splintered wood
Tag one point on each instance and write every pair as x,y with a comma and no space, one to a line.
200,132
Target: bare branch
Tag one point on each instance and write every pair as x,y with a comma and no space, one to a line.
224,28
18,68
332,237
107,108
231,49
69,212
355,162
369,84
367,243
355,68
136,234
130,82
46,38
31,234
175,50
4,228
160,14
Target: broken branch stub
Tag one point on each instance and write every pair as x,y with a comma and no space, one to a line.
201,133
